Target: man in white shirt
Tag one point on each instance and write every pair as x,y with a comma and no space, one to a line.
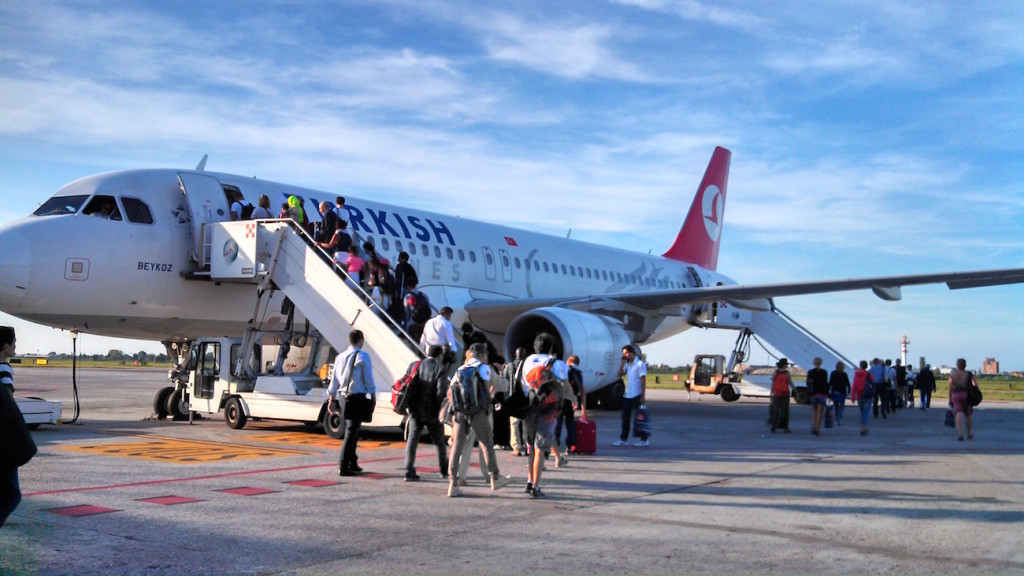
438,330
540,420
353,376
635,372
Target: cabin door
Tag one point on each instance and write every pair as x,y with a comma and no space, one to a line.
206,204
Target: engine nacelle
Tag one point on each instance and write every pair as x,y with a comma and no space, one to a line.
597,340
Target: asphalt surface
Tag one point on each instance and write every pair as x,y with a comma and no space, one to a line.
716,492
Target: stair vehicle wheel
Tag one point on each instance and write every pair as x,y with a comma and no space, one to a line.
334,424
160,401
729,394
234,415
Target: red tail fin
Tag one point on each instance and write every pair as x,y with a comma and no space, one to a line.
698,239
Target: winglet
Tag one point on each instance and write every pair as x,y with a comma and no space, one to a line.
698,239
202,164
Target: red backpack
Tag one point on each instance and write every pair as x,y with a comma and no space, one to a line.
400,394
545,389
780,384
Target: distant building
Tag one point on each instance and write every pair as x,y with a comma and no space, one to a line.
990,366
945,370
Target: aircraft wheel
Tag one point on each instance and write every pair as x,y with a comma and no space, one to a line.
177,407
612,400
160,402
729,394
801,396
334,424
234,415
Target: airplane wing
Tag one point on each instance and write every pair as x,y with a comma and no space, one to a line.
747,296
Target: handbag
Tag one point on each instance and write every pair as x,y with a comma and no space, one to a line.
642,423
950,418
974,395
360,408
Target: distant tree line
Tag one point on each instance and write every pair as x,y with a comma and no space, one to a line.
115,355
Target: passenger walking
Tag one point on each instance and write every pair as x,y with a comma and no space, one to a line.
925,386
513,374
959,381
863,393
782,388
16,445
404,273
438,330
570,404
470,398
353,376
429,387
839,388
262,211
879,377
898,374
817,384
540,368
340,241
328,223
635,372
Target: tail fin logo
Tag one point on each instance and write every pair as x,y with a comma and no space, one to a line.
712,205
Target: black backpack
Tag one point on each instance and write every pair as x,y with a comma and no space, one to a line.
469,392
421,309
247,210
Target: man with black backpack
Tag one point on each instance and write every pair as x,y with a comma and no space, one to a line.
470,397
428,387
544,381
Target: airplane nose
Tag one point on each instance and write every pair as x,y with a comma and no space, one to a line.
15,269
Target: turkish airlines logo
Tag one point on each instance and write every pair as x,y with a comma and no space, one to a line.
712,205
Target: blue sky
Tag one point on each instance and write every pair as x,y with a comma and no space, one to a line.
867,137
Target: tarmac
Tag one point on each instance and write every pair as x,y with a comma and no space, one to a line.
715,493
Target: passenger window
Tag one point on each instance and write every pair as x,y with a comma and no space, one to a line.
589,273
462,255
604,275
518,263
536,266
136,210
426,250
448,252
504,260
546,268
412,249
398,246
104,207
472,257
489,258
437,252
384,244
573,270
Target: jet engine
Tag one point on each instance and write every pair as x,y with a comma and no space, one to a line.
597,340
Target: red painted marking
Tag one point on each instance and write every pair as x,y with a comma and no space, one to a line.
247,491
429,470
169,500
84,510
313,483
196,478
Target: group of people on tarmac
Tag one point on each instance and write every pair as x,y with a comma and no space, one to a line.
879,388
539,391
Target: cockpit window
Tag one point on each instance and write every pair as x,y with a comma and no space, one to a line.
61,205
102,207
136,210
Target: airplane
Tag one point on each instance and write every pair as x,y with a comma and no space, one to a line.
137,270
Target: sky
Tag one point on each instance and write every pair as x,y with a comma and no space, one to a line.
868,138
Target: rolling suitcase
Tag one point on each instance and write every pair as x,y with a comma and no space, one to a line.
586,436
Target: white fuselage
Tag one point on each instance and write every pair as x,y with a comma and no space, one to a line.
133,279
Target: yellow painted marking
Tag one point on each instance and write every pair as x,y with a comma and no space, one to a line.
307,439
179,451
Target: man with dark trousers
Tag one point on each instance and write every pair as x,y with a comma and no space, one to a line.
353,376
